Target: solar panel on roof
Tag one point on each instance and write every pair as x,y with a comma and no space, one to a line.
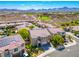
7,40
3,42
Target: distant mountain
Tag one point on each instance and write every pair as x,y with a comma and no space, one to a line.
64,9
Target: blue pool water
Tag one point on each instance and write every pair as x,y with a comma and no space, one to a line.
46,46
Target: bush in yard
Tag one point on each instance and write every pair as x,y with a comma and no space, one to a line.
57,40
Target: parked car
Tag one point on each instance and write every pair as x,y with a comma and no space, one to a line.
60,47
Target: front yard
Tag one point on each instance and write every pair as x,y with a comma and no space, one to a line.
62,41
58,42
33,51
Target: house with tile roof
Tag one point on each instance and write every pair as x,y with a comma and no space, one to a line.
74,28
39,36
12,46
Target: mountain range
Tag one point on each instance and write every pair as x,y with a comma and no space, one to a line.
63,9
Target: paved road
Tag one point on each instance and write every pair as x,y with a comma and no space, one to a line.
72,51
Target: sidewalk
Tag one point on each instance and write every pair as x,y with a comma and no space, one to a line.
47,52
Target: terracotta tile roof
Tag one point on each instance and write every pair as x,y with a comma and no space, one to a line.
55,30
39,33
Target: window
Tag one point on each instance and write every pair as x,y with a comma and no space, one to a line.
7,53
16,49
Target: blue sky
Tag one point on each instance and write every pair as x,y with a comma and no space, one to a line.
37,4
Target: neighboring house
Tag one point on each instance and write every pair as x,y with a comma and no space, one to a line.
39,36
55,30
2,25
49,25
12,46
20,27
40,24
23,25
59,31
74,28
9,24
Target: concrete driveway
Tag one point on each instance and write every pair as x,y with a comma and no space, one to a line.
72,51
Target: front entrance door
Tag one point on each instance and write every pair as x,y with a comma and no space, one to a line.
39,41
39,44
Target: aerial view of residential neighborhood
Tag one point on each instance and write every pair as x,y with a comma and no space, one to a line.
39,28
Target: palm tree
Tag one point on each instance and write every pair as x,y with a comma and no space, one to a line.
70,38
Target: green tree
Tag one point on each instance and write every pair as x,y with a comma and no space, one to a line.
57,40
24,33
8,30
